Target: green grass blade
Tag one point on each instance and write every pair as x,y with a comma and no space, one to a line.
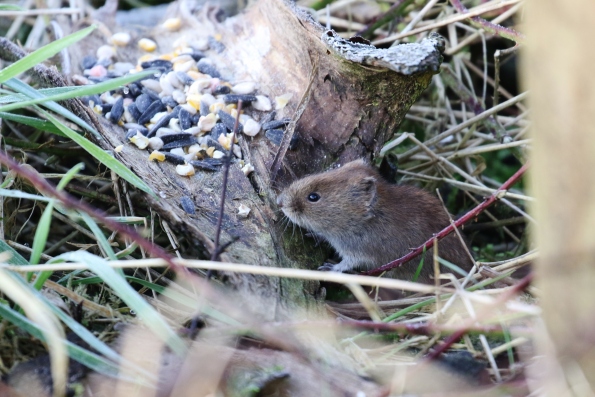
10,7
43,227
23,88
101,240
40,279
420,266
40,55
17,259
42,125
22,195
101,156
41,234
69,175
91,360
81,91
10,97
169,293
143,309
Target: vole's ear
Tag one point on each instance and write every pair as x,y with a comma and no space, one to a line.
370,195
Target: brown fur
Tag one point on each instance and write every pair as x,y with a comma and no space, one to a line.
370,222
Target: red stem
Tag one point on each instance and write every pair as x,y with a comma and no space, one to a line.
450,228
490,27
43,186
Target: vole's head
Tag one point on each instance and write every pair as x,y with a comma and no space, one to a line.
335,201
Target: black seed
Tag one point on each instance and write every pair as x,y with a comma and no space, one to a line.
169,101
185,119
134,112
274,136
207,68
196,117
142,102
174,158
184,78
105,62
131,133
215,45
106,107
163,121
188,141
160,64
294,142
88,62
175,137
154,108
212,161
187,205
271,125
211,142
197,55
134,89
98,79
233,98
203,165
218,129
87,100
204,109
152,94
113,74
133,126
221,89
229,121
269,117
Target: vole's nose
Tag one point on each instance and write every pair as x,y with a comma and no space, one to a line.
280,200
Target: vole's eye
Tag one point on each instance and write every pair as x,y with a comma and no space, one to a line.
313,197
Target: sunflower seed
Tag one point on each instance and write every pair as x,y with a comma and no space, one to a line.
173,158
271,125
134,112
154,108
185,119
187,205
233,98
275,136
229,121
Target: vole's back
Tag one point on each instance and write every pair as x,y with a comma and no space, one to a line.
406,217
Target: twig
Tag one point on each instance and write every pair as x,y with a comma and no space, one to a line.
494,5
497,56
46,11
450,228
521,286
383,19
451,80
469,39
70,202
462,126
216,252
490,27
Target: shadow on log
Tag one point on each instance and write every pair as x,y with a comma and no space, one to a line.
348,99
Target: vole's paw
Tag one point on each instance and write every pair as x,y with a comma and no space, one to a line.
329,267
